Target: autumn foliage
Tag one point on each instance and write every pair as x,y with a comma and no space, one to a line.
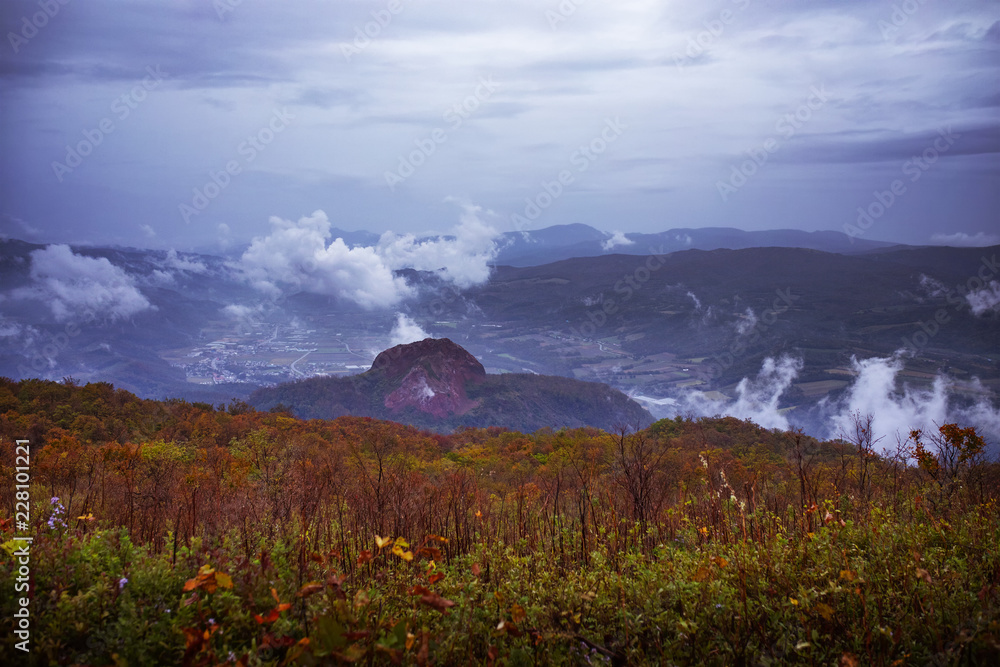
256,538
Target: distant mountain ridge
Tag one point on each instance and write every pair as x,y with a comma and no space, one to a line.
551,244
437,384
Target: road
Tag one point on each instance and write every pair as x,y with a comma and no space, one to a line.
292,365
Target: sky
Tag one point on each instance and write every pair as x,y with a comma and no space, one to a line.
191,124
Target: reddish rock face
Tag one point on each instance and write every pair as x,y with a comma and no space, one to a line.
434,374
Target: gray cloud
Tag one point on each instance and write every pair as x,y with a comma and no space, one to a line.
889,94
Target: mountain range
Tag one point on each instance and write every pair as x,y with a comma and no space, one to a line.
646,319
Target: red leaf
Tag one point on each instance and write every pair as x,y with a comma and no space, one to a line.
434,578
435,601
309,589
476,570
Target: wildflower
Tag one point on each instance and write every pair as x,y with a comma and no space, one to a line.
54,500
122,582
211,621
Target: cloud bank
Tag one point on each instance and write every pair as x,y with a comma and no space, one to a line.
876,390
896,411
963,240
75,286
300,255
756,399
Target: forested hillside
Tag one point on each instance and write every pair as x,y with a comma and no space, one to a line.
167,532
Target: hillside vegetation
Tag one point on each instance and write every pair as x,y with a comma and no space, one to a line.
175,533
436,384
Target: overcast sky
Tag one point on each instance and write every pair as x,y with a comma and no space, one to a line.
117,114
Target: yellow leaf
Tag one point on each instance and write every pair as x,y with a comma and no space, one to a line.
401,542
381,542
794,601
848,575
360,599
223,580
411,639
825,610
405,555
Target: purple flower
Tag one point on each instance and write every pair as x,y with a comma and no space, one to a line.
122,582
54,500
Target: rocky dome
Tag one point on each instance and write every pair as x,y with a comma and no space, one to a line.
433,374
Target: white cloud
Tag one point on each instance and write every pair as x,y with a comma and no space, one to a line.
406,331
242,313
178,263
617,239
985,300
298,254
697,301
148,231
963,240
933,287
463,258
76,286
897,411
756,399
747,323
